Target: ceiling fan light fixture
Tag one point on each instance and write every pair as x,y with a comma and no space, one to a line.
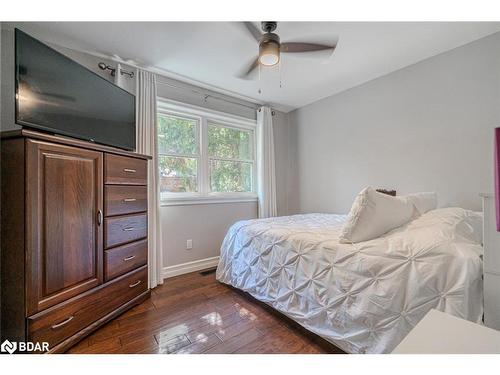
269,50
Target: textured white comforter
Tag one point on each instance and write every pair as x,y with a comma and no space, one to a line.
363,298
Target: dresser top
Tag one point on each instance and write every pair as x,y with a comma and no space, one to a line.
26,133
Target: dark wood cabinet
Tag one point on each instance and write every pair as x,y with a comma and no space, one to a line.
64,320
64,196
55,231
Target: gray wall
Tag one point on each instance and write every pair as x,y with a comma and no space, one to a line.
427,127
282,158
205,224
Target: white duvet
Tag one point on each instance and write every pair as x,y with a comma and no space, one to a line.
364,298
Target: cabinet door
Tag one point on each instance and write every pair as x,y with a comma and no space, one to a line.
64,254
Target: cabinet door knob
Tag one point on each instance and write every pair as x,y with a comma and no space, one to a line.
135,284
126,200
126,259
128,170
63,323
99,217
128,229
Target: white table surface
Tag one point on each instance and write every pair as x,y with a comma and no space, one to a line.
440,333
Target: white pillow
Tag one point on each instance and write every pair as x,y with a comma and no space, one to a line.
373,214
423,202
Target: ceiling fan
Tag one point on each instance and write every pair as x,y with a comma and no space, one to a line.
270,47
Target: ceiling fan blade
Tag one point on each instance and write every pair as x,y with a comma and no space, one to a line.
297,47
254,31
249,69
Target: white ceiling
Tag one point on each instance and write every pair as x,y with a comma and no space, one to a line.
212,53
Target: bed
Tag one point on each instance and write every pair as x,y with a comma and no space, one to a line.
364,297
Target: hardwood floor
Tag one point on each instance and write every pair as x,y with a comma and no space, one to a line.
194,313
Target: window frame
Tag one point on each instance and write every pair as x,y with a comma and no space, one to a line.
206,117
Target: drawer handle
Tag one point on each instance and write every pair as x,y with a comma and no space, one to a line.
126,200
128,170
135,284
128,258
128,229
63,323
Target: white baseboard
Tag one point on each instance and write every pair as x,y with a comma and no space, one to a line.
197,265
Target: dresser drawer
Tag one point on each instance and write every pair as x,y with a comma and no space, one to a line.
125,258
125,170
122,199
122,229
64,320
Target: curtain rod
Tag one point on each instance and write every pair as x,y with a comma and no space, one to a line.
206,96
104,66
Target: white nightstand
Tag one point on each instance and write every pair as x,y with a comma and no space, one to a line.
491,263
440,333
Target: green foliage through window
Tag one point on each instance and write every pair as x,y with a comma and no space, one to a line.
229,143
178,174
229,176
178,136
230,153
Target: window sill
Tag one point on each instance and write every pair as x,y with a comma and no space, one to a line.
189,201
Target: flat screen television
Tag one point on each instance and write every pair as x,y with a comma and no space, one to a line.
58,95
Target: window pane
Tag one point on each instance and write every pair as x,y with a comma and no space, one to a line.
178,174
229,176
177,135
229,143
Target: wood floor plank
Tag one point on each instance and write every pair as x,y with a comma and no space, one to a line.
235,342
201,345
279,340
173,344
211,323
81,347
105,332
145,345
145,306
103,346
194,313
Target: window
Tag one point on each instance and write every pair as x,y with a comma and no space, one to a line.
204,156
178,154
230,154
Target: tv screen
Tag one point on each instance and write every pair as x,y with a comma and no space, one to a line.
56,94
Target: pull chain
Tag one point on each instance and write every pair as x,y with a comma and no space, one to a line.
279,69
260,91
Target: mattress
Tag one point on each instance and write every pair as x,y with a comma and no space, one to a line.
365,297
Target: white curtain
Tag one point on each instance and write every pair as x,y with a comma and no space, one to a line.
266,189
147,144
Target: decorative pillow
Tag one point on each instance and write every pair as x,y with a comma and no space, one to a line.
423,202
373,214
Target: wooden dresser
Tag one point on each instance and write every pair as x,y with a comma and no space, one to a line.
74,241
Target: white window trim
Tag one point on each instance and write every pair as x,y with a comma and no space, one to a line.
206,116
